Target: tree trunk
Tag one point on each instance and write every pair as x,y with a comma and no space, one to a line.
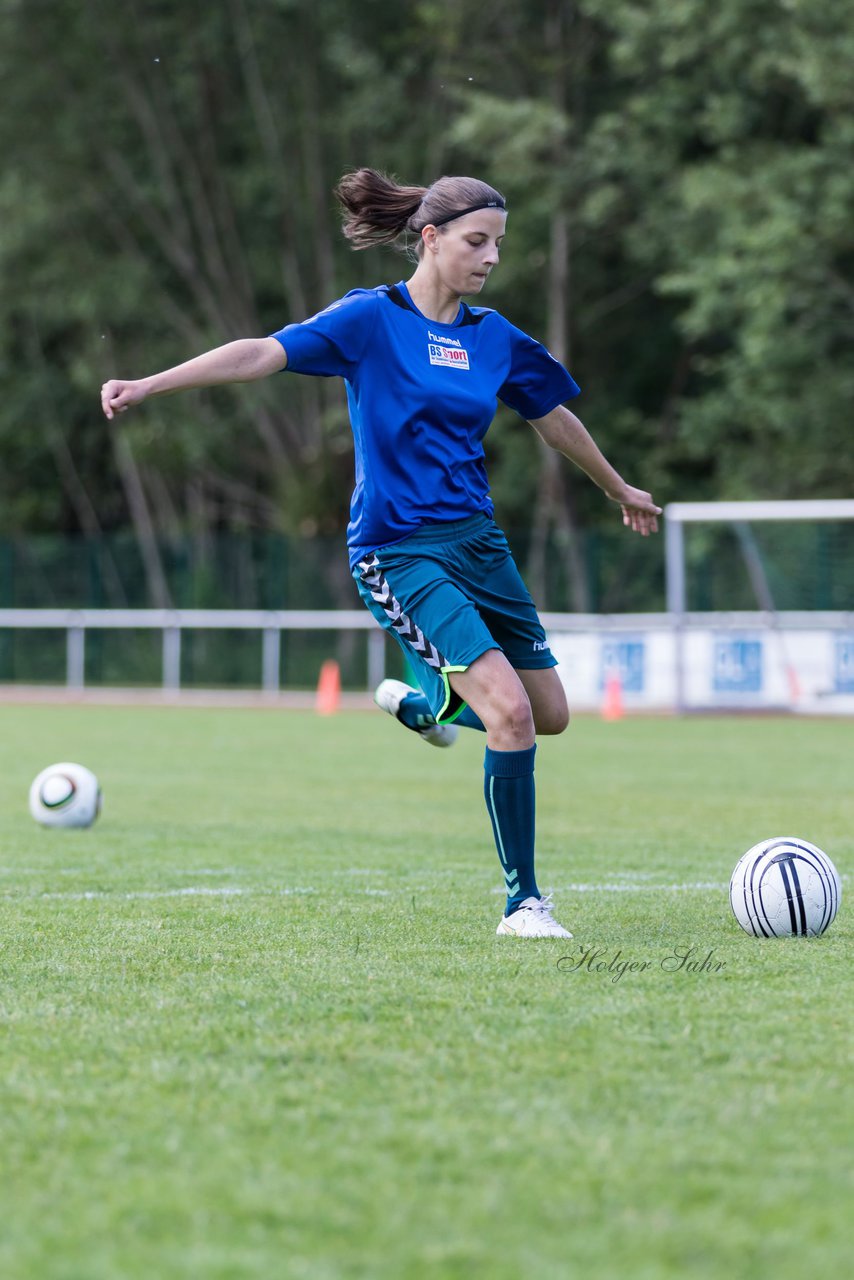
554,510
158,588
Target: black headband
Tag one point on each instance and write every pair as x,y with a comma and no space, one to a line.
473,208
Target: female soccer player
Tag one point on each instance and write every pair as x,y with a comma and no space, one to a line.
423,371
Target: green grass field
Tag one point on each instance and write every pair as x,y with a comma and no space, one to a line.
256,1023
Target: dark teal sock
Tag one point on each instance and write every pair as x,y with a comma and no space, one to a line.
509,793
415,712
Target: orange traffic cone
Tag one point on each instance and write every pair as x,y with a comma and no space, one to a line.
612,702
328,688
794,683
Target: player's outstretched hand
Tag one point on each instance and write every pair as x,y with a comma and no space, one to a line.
640,514
117,396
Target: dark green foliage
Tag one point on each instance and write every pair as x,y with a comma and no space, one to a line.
166,187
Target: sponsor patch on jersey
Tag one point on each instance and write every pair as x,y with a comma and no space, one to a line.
451,357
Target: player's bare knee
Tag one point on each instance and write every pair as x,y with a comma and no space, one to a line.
510,715
551,711
519,717
552,720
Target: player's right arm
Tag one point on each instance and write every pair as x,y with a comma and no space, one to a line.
244,360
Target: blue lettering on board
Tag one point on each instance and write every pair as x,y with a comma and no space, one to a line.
626,659
844,665
737,665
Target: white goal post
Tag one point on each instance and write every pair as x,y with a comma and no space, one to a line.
739,515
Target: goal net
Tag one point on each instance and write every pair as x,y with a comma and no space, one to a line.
761,601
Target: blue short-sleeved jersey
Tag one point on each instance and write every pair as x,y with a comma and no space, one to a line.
421,396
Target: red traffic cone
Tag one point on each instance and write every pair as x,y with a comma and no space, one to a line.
794,683
328,688
612,702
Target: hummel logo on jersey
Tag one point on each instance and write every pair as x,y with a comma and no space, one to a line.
453,357
540,646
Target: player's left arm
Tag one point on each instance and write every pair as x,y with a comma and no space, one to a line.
566,433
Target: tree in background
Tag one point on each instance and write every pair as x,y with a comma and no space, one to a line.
728,165
681,210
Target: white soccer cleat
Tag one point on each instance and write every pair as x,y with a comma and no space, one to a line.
533,919
389,695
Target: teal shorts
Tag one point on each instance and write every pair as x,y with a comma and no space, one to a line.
449,593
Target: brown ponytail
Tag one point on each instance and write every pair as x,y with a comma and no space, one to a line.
378,210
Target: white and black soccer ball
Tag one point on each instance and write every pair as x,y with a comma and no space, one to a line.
65,795
785,887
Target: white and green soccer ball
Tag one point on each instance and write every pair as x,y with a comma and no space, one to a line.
785,887
65,795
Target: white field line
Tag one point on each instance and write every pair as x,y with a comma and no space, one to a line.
235,891
261,891
191,891
10,871
695,886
